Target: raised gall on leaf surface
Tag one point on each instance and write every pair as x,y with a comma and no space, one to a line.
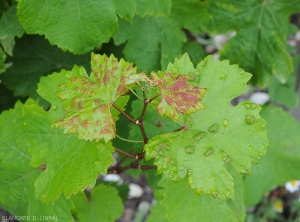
88,100
177,96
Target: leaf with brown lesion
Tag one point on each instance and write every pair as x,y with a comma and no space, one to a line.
177,96
88,99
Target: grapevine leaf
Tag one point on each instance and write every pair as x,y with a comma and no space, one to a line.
9,24
263,52
105,204
213,137
157,211
142,47
2,60
153,8
4,6
192,15
9,28
180,198
286,93
7,100
125,9
72,164
195,51
237,205
176,95
84,25
17,176
145,35
22,77
281,162
89,100
157,214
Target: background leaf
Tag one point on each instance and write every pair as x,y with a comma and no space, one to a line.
24,74
281,162
105,205
261,33
17,187
153,8
77,26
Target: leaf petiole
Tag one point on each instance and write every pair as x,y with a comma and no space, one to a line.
131,141
123,113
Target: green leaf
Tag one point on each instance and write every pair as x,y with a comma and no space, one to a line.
9,28
88,100
7,100
4,6
2,60
142,47
10,25
177,97
145,35
281,162
179,198
77,26
195,52
286,93
17,176
261,34
153,8
157,214
213,137
237,205
24,74
191,14
72,164
105,205
125,9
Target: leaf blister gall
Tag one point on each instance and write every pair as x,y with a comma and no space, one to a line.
189,149
213,128
209,151
250,119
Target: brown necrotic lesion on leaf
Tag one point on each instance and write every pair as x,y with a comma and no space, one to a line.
177,96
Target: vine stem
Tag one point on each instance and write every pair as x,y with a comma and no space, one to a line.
123,113
125,153
154,97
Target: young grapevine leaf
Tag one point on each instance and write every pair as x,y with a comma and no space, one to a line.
214,137
85,24
88,100
263,52
179,198
17,176
71,164
281,162
105,204
176,95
